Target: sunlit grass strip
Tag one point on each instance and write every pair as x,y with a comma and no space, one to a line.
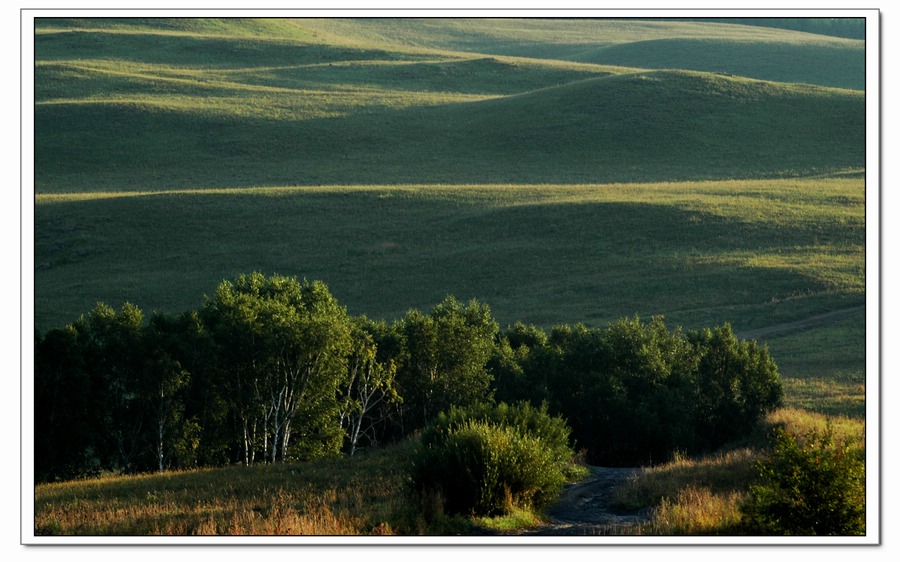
288,105
827,396
720,473
839,268
749,199
210,80
695,511
135,68
284,514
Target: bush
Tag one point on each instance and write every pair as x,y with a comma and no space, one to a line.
810,486
491,459
522,417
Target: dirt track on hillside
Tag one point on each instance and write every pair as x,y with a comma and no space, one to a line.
800,325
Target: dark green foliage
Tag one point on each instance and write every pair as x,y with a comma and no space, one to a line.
812,485
626,390
283,347
485,460
520,416
62,393
737,383
204,437
368,394
272,368
108,397
635,392
446,354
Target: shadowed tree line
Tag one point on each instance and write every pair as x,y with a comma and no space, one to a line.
271,369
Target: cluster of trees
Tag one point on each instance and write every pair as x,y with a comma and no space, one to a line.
635,392
271,368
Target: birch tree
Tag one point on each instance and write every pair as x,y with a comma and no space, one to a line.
286,345
368,386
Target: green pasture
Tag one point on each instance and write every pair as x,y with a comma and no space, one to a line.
753,253
184,104
560,171
824,367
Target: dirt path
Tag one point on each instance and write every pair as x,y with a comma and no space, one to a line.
583,508
805,324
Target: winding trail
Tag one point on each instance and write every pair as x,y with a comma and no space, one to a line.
799,325
583,508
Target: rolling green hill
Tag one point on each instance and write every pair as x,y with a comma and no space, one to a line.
832,63
560,170
647,126
748,252
190,106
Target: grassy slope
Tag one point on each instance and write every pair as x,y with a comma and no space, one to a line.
617,128
126,106
752,253
765,53
132,105
364,495
138,108
839,64
348,496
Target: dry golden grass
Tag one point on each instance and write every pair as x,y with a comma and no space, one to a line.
285,513
695,511
702,496
364,495
350,496
799,422
721,473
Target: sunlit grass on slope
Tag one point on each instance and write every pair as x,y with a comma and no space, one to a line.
361,495
364,495
541,254
633,127
834,63
543,37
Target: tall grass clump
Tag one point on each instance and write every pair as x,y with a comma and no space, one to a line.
492,460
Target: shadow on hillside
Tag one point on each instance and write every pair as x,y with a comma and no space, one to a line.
382,255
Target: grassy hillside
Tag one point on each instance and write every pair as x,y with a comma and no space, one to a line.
748,252
634,127
143,104
554,190
561,171
832,63
364,495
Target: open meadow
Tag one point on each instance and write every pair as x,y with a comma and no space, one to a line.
562,172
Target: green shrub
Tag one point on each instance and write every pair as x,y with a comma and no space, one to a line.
810,486
489,460
521,417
